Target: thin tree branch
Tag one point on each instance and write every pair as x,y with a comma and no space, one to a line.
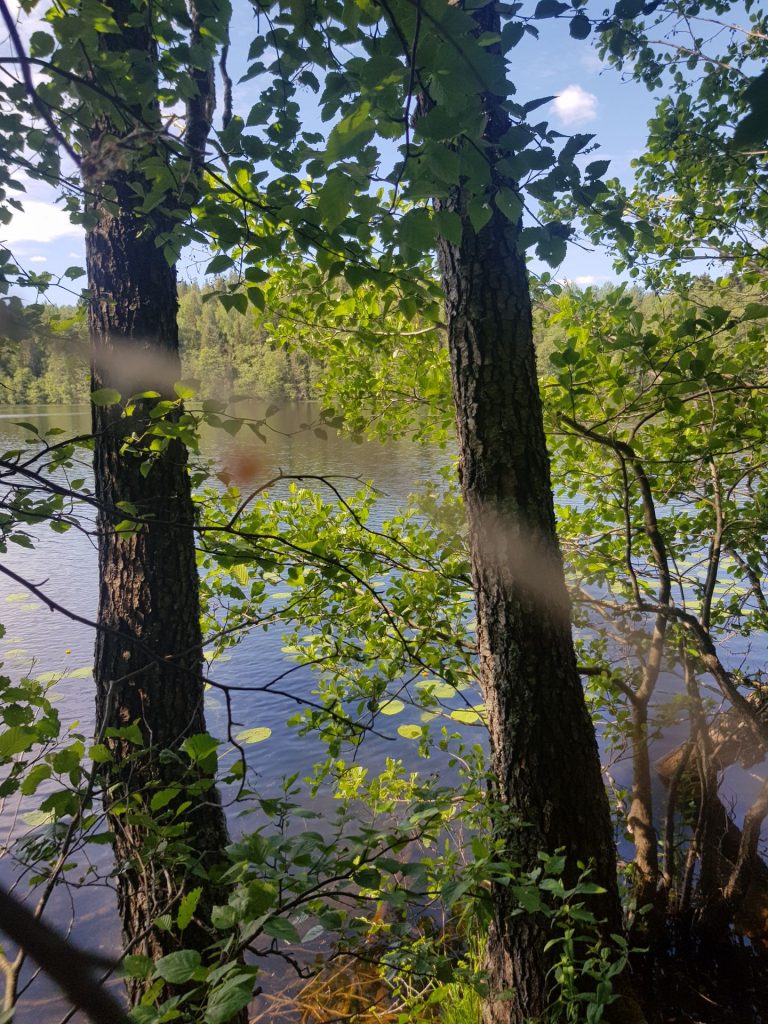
41,107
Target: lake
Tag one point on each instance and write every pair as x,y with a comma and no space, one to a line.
67,563
39,642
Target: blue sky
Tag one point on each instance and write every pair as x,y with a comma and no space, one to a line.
588,98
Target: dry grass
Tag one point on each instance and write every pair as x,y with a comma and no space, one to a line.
345,990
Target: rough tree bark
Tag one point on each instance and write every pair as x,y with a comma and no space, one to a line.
148,588
544,759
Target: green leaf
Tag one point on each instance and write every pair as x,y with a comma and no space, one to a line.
257,735
550,9
591,889
627,9
368,878
16,740
580,26
187,908
528,897
540,101
281,928
219,264
752,130
240,572
127,527
350,133
232,426
488,38
755,311
223,917
335,197
237,301
61,803
438,124
552,250
131,733
39,773
417,230
105,396
163,797
510,204
480,212
346,307
177,968
136,966
449,225
100,753
260,896
37,818
227,1001
409,732
597,168
41,44
200,747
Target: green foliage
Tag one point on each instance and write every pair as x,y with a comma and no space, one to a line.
235,354
326,239
381,358
382,611
682,384
698,198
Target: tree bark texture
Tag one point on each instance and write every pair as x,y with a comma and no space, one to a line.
147,580
544,758
148,661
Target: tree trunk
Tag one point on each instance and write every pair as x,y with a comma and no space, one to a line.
148,580
544,759
148,663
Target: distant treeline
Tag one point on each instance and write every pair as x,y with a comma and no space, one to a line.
44,356
44,351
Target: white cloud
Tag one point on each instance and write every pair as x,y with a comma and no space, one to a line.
584,280
575,105
38,259
40,222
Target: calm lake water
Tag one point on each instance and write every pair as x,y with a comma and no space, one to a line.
38,641
67,564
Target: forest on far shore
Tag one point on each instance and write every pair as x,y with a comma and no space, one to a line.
45,360
230,352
